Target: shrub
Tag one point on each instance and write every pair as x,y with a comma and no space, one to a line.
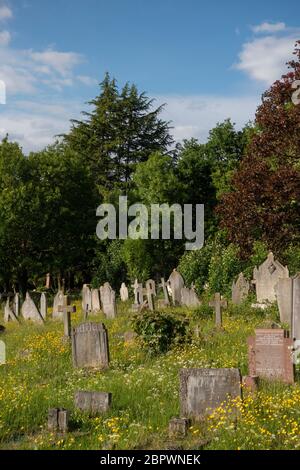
160,330
194,267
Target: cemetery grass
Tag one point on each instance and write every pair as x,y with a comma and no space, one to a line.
39,375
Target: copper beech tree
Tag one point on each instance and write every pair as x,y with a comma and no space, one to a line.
264,203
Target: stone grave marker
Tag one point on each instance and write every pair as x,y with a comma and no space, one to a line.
240,289
189,297
265,278
176,283
124,292
93,402
86,298
9,315
150,292
178,428
43,305
218,303
284,295
16,304
90,346
108,300
164,287
2,353
270,355
66,308
29,310
296,308
58,419
202,390
95,297
57,301
138,295
151,285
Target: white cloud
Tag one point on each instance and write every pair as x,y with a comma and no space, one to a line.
5,38
60,62
5,13
267,27
264,59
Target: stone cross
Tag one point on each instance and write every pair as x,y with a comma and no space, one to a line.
135,287
217,303
66,310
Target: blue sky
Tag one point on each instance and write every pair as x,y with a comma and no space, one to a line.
206,60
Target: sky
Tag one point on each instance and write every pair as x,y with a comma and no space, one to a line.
206,60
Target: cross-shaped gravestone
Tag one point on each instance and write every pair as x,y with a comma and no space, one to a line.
67,309
135,287
163,285
217,303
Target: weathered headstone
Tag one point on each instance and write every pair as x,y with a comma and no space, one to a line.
8,313
164,287
202,390
108,300
90,345
240,289
2,353
296,308
66,308
150,292
57,301
138,295
284,295
124,292
265,278
176,283
95,295
93,402
16,304
43,305
218,303
29,310
150,284
189,297
58,419
270,355
86,298
178,427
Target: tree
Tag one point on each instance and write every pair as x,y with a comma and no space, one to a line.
264,202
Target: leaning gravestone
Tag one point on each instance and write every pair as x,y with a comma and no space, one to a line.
29,310
124,292
43,305
176,283
150,292
58,302
93,402
189,297
202,390
270,355
108,300
90,346
95,297
9,313
284,295
240,289
265,278
86,298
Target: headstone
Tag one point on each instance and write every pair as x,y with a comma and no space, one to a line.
296,309
189,297
16,304
124,292
93,402
202,390
218,303
90,345
108,300
240,289
164,287
2,353
95,300
270,355
151,285
66,308
9,315
176,283
29,310
265,278
178,427
57,302
150,292
284,296
86,298
138,294
58,419
43,305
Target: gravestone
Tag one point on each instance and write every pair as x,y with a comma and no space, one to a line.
176,283
124,292
284,295
265,278
202,390
150,292
43,305
66,308
270,355
2,353
90,346
178,428
218,303
240,289
189,297
95,297
164,287
58,419
296,317
29,310
108,300
151,285
9,315
57,302
16,304
93,402
138,295
86,298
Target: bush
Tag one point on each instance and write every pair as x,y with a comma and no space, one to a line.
159,331
225,265
194,267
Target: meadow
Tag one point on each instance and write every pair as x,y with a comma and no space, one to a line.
38,375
